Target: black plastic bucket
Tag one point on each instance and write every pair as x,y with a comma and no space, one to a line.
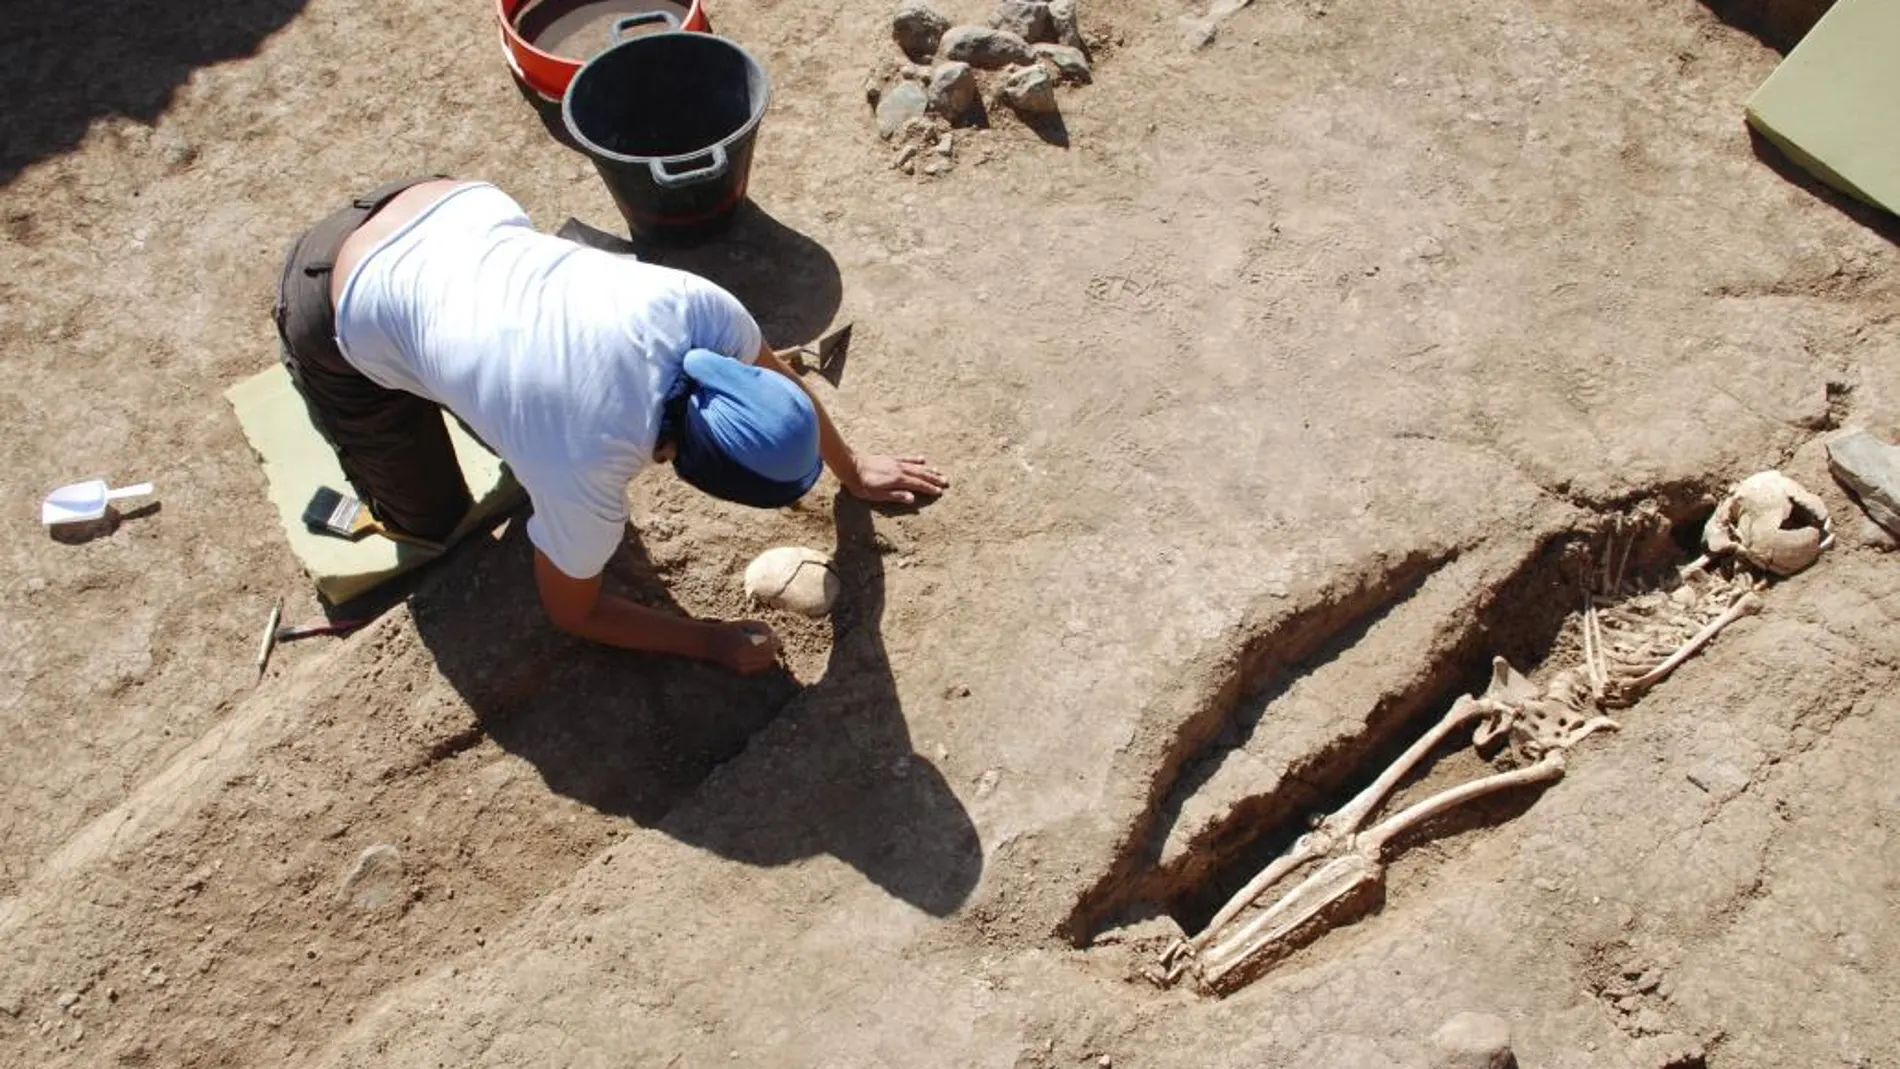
669,120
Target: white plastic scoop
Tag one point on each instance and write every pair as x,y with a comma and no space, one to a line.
85,501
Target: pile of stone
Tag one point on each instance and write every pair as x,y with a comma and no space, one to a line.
956,73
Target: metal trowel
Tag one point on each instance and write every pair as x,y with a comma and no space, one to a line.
825,356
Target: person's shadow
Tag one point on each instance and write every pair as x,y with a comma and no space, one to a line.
649,738
63,67
787,280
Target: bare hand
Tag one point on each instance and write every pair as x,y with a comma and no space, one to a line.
899,479
745,646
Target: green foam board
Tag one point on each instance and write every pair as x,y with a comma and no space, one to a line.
1831,104
297,461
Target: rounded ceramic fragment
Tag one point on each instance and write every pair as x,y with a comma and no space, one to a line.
793,578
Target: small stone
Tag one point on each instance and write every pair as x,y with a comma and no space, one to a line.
67,1000
881,74
177,153
1070,64
1544,883
986,49
1027,19
916,72
1106,1062
1648,1023
918,30
1030,90
1870,468
903,102
953,93
1063,24
921,131
374,882
947,147
937,168
1719,777
1198,33
1474,1041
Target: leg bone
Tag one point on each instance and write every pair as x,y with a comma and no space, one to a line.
1375,839
1345,821
1316,901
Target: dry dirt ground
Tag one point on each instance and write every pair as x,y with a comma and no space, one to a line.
1285,394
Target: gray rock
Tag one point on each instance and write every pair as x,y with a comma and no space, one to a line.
986,49
1030,90
1027,19
1063,24
918,29
374,883
904,101
953,92
1474,1041
1871,469
1070,64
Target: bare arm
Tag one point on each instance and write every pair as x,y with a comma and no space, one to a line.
869,476
581,608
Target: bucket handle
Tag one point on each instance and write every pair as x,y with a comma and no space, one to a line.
668,180
621,26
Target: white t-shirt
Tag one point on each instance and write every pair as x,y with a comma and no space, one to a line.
559,356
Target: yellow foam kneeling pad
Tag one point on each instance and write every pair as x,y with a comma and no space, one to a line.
297,461
1832,103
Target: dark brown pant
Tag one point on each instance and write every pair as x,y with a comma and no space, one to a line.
393,445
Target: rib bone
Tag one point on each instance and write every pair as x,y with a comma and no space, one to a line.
1627,692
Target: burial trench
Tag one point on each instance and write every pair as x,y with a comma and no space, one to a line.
1319,702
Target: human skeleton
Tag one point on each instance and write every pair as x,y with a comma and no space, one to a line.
1632,638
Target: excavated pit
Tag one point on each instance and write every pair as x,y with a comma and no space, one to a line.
1313,714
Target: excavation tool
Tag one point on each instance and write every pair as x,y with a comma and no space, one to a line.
269,641
85,501
825,356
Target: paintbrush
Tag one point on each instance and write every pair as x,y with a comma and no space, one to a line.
335,512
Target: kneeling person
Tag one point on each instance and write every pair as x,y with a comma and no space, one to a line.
577,367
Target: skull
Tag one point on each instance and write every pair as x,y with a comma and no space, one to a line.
1772,522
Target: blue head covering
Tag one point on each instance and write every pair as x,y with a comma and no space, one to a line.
744,434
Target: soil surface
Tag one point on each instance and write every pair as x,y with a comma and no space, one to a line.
1281,389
